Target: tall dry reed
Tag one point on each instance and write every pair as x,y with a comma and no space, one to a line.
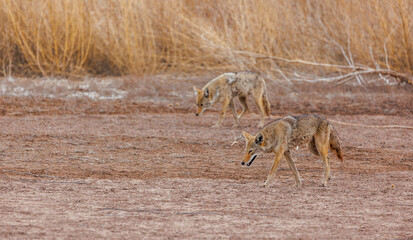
77,37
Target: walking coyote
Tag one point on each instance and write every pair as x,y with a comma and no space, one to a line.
229,85
286,133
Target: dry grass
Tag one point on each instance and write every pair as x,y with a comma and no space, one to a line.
78,37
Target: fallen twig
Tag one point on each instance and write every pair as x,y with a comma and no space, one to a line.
406,159
372,126
31,174
132,210
29,180
235,139
158,211
303,170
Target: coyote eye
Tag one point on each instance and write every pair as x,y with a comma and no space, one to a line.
202,105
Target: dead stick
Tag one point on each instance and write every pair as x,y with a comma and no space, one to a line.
31,174
372,126
26,180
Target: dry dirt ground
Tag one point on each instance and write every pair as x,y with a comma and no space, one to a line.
127,158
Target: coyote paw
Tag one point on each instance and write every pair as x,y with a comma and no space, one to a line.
323,185
298,185
235,125
216,125
264,185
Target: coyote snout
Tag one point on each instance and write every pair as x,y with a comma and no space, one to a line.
200,108
250,159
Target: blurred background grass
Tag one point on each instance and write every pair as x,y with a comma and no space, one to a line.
118,37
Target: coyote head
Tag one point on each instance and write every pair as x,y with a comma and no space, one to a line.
204,100
254,146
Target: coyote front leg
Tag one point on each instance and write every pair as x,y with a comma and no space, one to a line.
225,105
234,112
278,155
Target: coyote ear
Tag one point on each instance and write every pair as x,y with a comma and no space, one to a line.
206,93
196,91
247,136
259,138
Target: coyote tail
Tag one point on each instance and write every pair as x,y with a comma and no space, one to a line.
266,104
335,145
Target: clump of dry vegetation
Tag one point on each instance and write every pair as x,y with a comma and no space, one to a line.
77,37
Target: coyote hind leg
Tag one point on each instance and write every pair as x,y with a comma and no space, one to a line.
290,162
259,101
244,104
313,149
321,143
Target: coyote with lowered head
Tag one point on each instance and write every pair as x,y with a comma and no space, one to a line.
229,85
286,133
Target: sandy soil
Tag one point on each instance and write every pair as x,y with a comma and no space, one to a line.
111,158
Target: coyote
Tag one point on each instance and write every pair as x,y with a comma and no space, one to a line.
229,85
286,133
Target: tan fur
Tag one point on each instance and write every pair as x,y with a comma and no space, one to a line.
289,132
267,105
226,87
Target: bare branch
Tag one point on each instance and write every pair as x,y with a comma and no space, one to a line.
372,126
299,61
355,70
